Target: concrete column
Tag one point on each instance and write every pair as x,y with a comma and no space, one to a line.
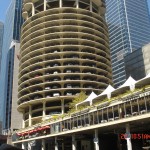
43,144
63,146
44,109
30,114
96,140
120,112
45,4
56,144
29,146
91,5
99,11
74,145
33,10
27,17
60,3
77,3
129,144
23,120
23,146
62,106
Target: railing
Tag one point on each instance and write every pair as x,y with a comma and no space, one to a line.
128,106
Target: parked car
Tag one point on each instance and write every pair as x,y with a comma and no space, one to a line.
47,88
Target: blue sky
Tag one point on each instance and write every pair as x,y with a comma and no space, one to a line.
3,7
5,3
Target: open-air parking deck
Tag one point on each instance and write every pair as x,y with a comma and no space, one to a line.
112,111
136,105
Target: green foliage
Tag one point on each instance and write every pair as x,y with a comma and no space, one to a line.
79,98
62,116
147,86
102,101
55,117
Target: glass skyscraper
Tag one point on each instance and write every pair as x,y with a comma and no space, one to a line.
12,29
129,29
1,41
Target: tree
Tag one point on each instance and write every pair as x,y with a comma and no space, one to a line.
79,98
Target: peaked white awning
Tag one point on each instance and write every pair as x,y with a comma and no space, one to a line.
105,93
148,76
144,81
129,84
87,101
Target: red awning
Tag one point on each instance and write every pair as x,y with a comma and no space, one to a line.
46,127
34,130
40,129
43,128
24,133
31,131
19,134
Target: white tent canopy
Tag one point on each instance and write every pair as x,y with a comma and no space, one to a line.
87,101
144,81
148,76
105,93
129,84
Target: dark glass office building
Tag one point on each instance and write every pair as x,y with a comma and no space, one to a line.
12,29
129,30
137,63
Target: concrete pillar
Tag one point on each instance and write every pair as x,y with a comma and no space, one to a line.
9,137
62,106
30,114
60,3
44,109
63,146
99,11
91,5
129,144
77,3
23,120
56,144
33,10
27,17
74,145
120,112
29,146
23,146
96,140
45,4
43,144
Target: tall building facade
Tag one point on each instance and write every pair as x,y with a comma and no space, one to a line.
16,117
137,63
129,29
64,50
1,41
12,28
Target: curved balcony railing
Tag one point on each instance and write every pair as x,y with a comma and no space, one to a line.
64,50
